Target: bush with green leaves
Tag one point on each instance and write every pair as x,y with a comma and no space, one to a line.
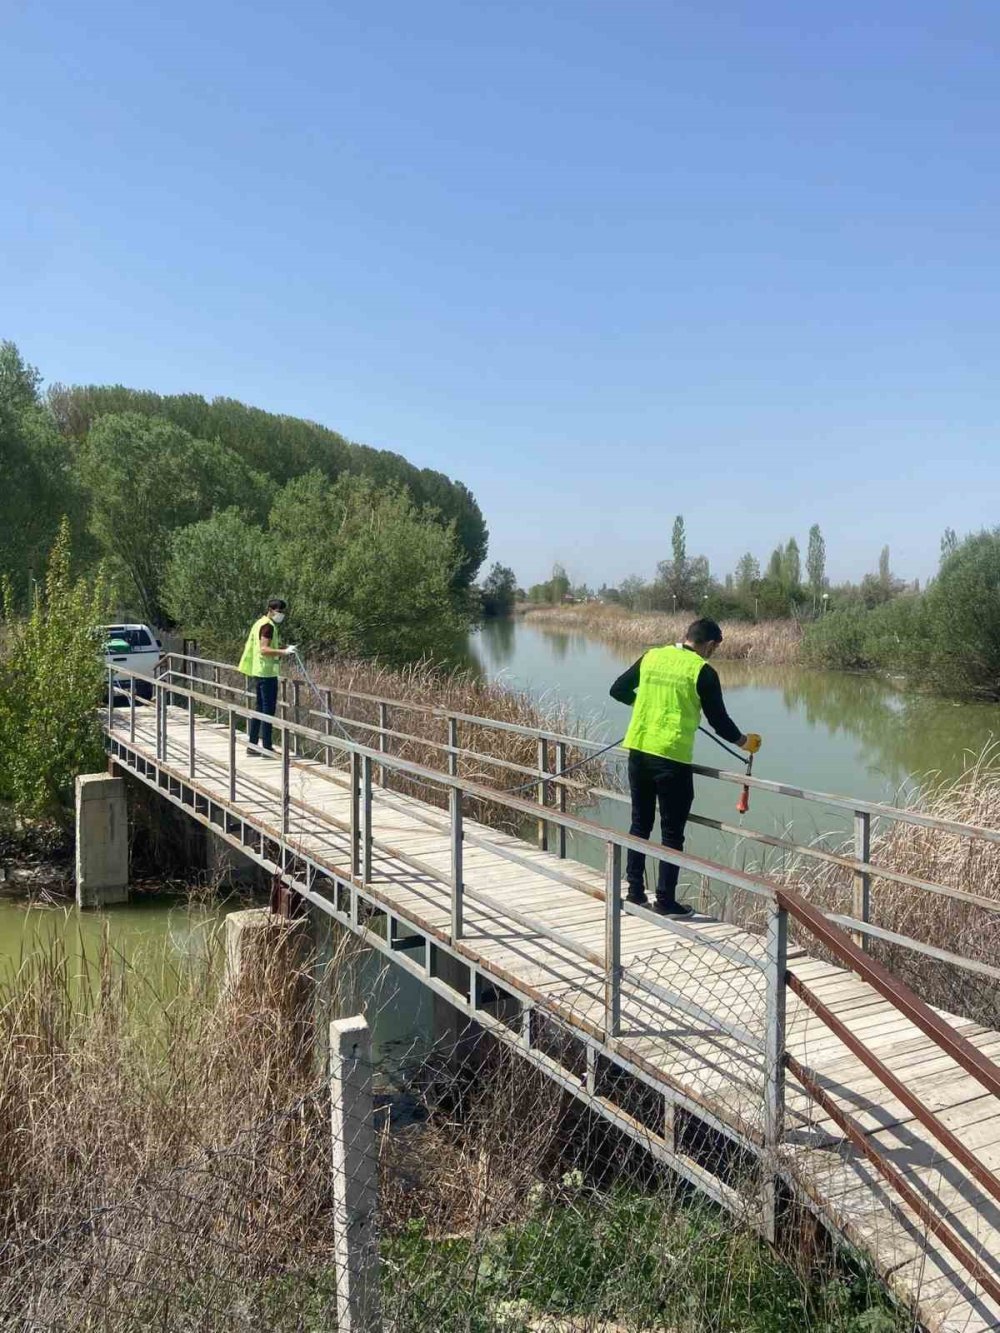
365,571
52,677
148,477
221,573
37,485
962,614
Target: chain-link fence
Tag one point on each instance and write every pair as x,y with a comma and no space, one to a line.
178,1152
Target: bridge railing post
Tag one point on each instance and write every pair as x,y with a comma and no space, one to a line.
453,746
366,811
232,756
561,798
612,940
217,691
861,901
543,768
774,1060
457,874
296,705
328,725
191,730
111,699
355,814
131,712
162,699
383,740
286,772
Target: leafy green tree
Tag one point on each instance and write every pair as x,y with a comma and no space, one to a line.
816,561
37,484
282,448
558,584
747,573
962,610
147,478
791,566
51,681
499,590
220,575
776,565
366,571
949,542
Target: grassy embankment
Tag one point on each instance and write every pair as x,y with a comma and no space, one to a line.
164,1157
770,642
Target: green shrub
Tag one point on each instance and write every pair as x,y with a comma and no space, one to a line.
220,575
51,681
840,640
962,609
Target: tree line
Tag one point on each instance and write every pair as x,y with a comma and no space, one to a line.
197,510
784,586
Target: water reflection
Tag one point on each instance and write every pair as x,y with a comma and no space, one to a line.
830,731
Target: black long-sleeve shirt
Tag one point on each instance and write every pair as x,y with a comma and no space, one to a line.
709,692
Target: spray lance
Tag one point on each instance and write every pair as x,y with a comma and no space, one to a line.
743,804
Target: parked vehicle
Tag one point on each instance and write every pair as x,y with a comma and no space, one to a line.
136,648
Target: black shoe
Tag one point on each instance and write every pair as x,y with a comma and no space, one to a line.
637,899
663,908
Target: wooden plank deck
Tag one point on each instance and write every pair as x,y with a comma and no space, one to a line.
676,1038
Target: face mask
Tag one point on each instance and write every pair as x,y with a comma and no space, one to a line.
277,616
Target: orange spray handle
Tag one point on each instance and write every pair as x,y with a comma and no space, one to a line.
743,804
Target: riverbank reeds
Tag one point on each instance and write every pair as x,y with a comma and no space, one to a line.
424,694
771,642
970,866
165,1163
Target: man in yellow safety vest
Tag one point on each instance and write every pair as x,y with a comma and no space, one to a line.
260,664
669,687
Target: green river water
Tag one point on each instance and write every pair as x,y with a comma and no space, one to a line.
844,734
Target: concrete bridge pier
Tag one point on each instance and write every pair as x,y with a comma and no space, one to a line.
101,841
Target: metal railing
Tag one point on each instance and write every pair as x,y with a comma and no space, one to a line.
171,696
173,691
553,792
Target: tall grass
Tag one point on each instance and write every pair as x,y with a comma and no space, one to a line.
165,1163
774,642
429,692
971,866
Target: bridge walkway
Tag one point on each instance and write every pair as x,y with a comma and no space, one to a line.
691,1031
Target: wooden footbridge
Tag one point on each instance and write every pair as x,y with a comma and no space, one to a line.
765,1072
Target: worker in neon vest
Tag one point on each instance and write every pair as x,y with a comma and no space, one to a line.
668,688
260,664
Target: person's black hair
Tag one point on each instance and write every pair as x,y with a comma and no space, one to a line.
277,604
703,631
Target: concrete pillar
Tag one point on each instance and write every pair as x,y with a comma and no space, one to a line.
246,941
355,1177
101,841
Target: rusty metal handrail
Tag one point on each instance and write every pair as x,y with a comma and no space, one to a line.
931,1220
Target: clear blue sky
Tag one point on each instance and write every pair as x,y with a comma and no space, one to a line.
604,260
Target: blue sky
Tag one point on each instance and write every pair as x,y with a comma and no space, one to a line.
604,261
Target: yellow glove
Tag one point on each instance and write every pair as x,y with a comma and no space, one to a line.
750,742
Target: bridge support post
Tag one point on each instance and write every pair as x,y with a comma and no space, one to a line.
355,1177
101,841
774,1065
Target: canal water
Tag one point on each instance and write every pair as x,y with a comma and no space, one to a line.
834,732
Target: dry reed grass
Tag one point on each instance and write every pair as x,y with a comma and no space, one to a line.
970,931
165,1163
429,693
770,642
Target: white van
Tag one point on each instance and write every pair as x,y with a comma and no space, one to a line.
136,648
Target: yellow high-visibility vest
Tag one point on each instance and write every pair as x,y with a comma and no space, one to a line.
667,709
253,662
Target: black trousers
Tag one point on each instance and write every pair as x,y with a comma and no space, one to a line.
266,702
670,784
